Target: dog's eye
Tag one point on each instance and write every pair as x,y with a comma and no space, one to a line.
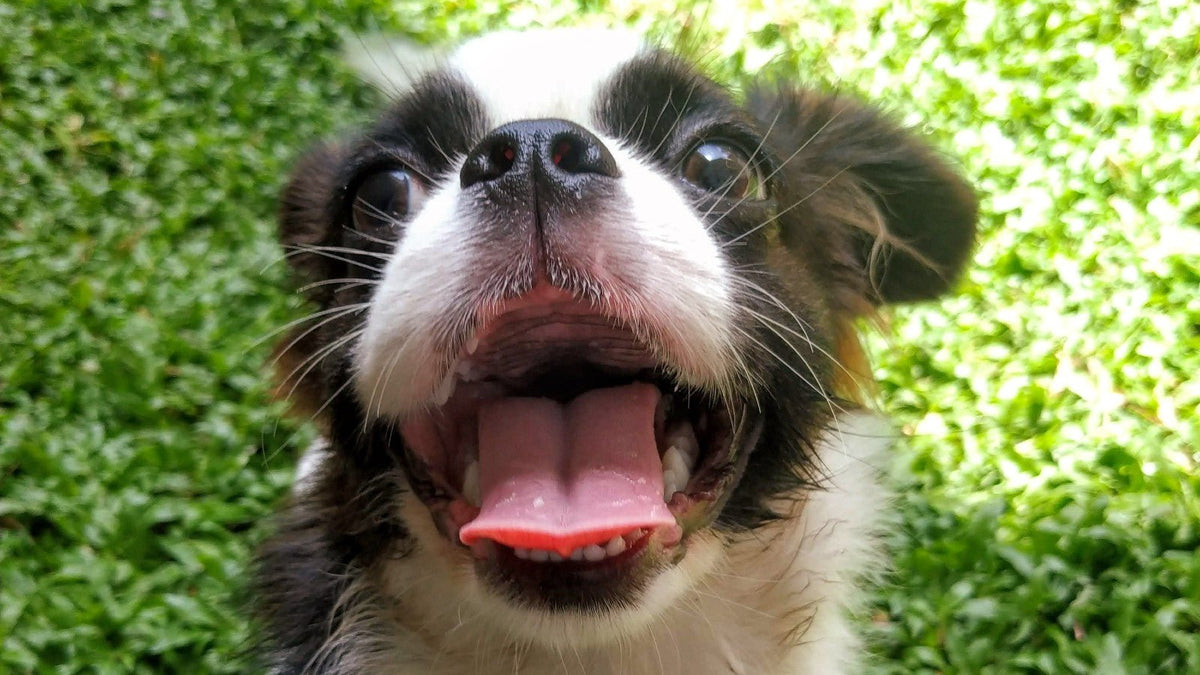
384,199
723,169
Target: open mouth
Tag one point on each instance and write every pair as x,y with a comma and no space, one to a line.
561,440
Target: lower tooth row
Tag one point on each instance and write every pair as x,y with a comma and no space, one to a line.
591,553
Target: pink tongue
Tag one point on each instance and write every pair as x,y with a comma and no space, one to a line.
557,477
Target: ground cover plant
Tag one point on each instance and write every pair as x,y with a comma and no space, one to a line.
1048,517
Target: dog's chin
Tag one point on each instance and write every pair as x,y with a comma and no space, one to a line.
507,605
633,599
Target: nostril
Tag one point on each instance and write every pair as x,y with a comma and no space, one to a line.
488,161
576,153
565,154
502,156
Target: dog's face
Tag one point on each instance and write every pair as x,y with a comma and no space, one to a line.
585,313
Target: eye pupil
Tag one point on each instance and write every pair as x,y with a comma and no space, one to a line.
722,169
382,200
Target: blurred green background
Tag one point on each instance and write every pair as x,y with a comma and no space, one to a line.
1050,502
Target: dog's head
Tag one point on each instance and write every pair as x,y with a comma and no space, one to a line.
585,312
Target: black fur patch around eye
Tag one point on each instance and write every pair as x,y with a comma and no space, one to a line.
439,119
654,97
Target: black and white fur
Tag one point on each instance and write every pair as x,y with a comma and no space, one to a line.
752,299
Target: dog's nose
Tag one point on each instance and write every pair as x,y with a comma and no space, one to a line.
550,152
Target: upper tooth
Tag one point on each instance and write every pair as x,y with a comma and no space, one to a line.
671,484
539,555
472,343
675,472
470,485
682,436
673,460
593,553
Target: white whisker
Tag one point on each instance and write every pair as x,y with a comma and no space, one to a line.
310,317
791,206
316,250
345,282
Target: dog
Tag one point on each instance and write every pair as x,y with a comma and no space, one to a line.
586,368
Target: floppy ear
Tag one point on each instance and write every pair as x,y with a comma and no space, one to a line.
898,220
306,214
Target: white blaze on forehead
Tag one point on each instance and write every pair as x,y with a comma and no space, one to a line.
544,73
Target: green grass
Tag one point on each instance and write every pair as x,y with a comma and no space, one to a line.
1050,501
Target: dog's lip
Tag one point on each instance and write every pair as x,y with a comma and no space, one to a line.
543,315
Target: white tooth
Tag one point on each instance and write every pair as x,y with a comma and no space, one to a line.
555,556
670,486
673,460
470,485
577,554
472,343
593,553
522,553
539,555
616,546
683,437
445,390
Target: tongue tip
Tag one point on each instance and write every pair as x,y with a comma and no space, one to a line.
521,535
